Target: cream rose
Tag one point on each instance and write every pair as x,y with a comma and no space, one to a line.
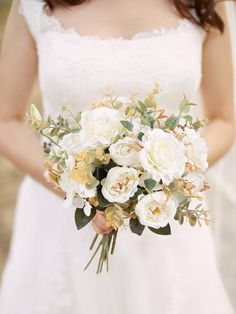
101,125
155,210
196,149
120,184
74,143
196,178
163,156
125,152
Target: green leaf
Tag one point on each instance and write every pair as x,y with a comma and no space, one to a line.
162,231
34,113
78,117
135,196
193,220
181,218
150,184
177,215
140,136
184,105
100,173
54,131
172,122
81,220
188,118
74,126
148,120
103,203
128,125
136,227
197,125
142,108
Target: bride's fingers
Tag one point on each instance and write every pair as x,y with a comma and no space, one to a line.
100,222
97,229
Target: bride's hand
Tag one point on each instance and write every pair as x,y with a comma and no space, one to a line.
99,223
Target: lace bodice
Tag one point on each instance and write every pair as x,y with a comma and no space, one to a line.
78,69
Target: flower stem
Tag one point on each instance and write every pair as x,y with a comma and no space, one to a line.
114,241
94,241
93,256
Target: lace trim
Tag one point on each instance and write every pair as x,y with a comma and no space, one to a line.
54,24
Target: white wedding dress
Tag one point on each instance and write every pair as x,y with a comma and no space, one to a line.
149,274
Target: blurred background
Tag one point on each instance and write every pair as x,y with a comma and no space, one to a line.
223,201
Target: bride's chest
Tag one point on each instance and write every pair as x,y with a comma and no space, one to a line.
77,68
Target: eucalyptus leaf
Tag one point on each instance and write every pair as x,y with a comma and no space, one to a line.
162,231
142,108
148,120
81,220
172,122
136,227
127,124
150,184
184,105
188,118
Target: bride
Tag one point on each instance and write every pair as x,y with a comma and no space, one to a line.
79,49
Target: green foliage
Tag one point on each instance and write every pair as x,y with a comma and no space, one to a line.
81,220
140,136
161,231
147,119
103,203
136,227
139,192
172,122
184,106
150,184
141,107
128,125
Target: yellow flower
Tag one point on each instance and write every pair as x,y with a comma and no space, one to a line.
114,216
83,175
102,156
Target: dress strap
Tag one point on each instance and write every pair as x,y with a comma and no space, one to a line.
32,11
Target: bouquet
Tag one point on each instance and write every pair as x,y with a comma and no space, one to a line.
127,158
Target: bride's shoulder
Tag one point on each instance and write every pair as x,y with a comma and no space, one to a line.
32,11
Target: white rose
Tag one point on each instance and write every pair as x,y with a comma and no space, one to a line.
163,156
101,125
120,184
74,143
125,152
156,210
197,179
196,149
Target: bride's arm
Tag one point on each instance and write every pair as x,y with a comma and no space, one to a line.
217,91
18,69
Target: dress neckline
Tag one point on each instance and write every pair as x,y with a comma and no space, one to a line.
55,24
